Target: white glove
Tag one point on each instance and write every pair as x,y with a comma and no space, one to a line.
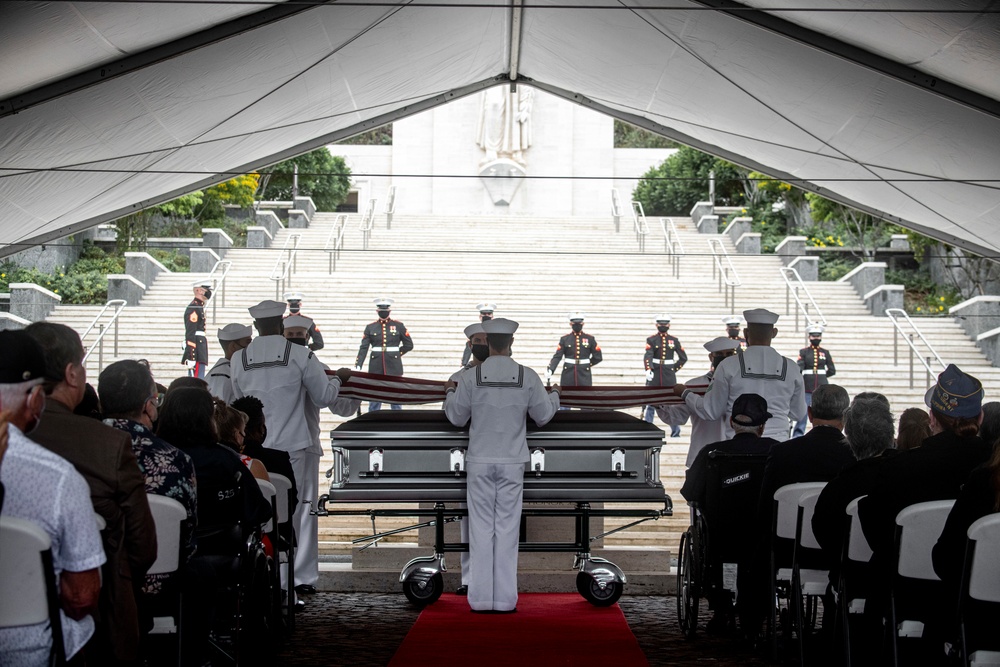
649,375
548,374
357,368
190,363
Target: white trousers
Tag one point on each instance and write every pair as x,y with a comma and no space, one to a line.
495,493
305,465
463,529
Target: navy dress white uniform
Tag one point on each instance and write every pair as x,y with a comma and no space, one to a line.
496,396
388,341
314,339
486,310
816,365
663,358
195,355
703,431
757,370
733,330
579,352
231,337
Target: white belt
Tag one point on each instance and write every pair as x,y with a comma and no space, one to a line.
818,371
199,333
668,362
386,349
582,362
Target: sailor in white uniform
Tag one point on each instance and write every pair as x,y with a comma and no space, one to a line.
286,378
297,329
232,338
757,370
703,431
497,395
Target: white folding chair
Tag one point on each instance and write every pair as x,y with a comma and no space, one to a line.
918,528
285,554
271,494
856,553
980,581
810,583
167,516
28,594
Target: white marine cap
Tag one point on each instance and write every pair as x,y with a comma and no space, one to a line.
235,331
499,325
486,307
293,296
721,344
298,321
760,316
202,283
383,301
576,316
814,328
268,308
731,320
474,329
662,319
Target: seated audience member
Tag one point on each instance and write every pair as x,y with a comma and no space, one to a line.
187,381
868,428
103,455
989,430
90,405
275,460
232,424
130,399
914,428
47,490
873,395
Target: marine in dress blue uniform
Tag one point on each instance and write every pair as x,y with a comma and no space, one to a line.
816,364
733,328
195,355
314,339
579,352
384,342
664,357
486,310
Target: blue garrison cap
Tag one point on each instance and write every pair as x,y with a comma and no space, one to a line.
956,394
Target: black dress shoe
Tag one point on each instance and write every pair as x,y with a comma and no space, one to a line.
305,589
299,605
462,590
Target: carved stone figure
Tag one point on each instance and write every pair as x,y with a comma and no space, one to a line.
504,129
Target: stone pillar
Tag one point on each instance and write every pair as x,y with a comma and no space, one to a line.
124,286
10,322
203,260
748,244
700,209
806,266
306,205
737,227
866,277
977,315
182,245
708,224
269,221
297,219
989,343
143,267
217,240
884,297
790,249
899,242
259,237
32,302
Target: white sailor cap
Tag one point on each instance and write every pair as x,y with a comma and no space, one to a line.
662,319
235,331
814,328
576,316
486,307
499,325
268,308
474,329
721,344
293,296
298,321
731,320
382,301
760,316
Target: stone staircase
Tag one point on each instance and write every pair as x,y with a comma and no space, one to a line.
537,269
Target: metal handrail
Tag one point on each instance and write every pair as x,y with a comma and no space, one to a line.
390,206
640,225
335,241
218,283
285,265
894,315
616,208
367,222
729,279
102,329
792,289
672,245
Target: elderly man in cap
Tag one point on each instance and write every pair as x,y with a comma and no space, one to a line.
757,370
663,358
486,310
290,381
581,353
703,431
389,341
195,355
816,365
46,489
732,323
232,338
496,396
314,339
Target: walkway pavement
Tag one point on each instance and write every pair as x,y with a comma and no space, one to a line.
364,630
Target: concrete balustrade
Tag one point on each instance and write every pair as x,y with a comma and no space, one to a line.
701,209
203,260
977,315
790,249
737,227
306,205
989,343
269,220
899,242
32,302
807,267
216,239
884,297
10,322
143,267
124,286
708,224
259,237
182,245
865,277
297,219
748,244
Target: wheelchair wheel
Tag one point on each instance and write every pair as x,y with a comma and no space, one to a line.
594,594
422,588
687,587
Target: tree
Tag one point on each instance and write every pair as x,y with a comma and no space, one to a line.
324,177
681,181
630,136
862,231
239,191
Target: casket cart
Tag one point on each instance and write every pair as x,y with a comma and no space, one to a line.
580,457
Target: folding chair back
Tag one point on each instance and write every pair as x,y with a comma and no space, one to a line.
167,516
807,507
270,495
733,485
786,507
918,527
857,544
283,487
984,573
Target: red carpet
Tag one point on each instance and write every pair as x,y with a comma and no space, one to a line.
549,629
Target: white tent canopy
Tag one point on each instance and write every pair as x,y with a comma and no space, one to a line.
893,107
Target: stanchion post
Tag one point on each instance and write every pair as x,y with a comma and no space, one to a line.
100,347
911,361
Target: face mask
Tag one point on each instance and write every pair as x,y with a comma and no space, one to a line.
480,352
733,333
208,294
486,316
293,309
383,314
717,359
663,328
298,341
577,327
815,341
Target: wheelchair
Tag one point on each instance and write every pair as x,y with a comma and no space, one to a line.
720,535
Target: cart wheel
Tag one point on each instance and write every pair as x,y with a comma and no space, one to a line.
593,593
687,588
422,588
